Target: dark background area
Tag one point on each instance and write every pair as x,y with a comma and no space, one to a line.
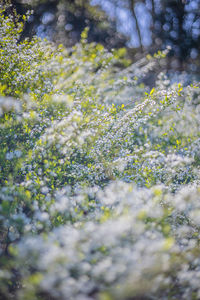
143,26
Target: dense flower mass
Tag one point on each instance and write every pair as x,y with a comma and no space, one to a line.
99,177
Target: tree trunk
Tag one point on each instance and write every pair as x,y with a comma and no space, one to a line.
132,8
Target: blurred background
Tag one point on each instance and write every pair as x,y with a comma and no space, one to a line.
142,26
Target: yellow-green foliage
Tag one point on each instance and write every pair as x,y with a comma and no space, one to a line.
99,176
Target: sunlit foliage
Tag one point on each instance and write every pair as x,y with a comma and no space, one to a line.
99,176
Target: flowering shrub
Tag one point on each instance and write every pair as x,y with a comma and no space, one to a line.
99,177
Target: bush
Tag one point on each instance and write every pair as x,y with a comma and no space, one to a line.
99,176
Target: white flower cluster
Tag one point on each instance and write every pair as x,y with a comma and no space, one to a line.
149,238
99,177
